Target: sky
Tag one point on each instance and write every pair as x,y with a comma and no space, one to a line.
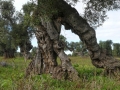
108,31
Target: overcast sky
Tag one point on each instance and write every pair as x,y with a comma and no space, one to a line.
108,31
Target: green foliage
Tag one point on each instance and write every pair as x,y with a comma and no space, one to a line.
78,47
28,7
7,9
107,45
95,11
23,30
47,8
6,41
116,49
110,47
6,25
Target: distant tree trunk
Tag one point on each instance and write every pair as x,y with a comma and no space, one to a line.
9,53
25,50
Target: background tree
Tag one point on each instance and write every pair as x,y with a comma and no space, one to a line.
6,42
116,49
23,30
22,34
95,11
16,29
107,45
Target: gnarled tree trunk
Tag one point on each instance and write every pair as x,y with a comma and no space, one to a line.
50,47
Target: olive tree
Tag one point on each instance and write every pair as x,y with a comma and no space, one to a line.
49,15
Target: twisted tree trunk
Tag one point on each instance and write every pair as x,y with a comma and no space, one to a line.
50,47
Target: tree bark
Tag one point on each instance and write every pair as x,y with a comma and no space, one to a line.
36,65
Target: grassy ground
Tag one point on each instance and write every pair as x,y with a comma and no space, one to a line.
12,77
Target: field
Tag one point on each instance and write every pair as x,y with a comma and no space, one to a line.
12,77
